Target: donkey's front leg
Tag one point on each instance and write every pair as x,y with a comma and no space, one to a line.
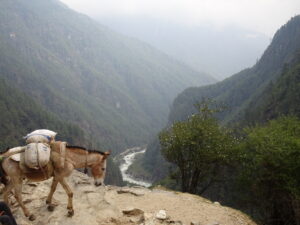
70,197
49,198
18,194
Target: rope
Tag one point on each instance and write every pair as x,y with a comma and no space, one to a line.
38,158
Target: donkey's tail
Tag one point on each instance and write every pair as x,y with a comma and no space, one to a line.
9,153
3,176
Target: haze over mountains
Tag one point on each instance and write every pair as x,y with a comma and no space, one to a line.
116,89
240,89
220,52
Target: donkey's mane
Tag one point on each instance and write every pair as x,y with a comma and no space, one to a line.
85,149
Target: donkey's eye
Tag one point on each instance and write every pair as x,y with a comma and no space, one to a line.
103,169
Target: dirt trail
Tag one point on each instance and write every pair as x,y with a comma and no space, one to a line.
112,205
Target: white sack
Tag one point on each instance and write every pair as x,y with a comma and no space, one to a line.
37,155
43,136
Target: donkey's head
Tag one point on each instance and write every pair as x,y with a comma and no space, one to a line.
99,169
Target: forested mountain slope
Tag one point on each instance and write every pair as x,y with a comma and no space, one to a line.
20,114
279,98
265,91
118,90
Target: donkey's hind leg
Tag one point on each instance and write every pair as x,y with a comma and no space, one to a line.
6,191
70,197
49,198
18,194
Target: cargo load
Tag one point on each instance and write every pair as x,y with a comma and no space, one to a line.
37,155
40,136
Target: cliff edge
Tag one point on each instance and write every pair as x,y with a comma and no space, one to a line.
111,205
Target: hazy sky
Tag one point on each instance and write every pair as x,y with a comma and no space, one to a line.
264,16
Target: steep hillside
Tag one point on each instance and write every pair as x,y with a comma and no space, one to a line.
118,90
20,115
243,93
279,98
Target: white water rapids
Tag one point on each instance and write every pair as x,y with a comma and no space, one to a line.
128,160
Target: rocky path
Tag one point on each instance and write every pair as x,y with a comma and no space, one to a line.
112,205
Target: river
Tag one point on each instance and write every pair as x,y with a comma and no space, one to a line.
127,161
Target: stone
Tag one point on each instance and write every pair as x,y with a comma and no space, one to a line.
131,191
217,203
133,212
161,215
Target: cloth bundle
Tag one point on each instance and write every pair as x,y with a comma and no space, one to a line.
42,136
37,155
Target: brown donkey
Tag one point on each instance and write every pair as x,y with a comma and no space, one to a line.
75,157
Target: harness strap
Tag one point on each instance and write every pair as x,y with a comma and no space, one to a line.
43,135
40,167
62,151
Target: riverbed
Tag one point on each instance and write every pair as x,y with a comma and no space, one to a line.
127,161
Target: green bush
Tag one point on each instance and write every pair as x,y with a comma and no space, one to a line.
271,170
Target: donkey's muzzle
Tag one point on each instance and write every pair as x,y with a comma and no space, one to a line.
98,183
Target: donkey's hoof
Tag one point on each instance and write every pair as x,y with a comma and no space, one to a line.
50,208
70,212
31,217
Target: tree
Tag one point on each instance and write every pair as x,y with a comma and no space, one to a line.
271,170
198,146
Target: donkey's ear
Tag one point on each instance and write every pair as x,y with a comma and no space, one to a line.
106,154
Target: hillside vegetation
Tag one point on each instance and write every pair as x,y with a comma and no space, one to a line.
279,98
20,114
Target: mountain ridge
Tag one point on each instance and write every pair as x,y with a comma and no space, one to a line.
241,86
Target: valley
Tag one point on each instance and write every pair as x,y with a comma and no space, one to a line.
126,159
